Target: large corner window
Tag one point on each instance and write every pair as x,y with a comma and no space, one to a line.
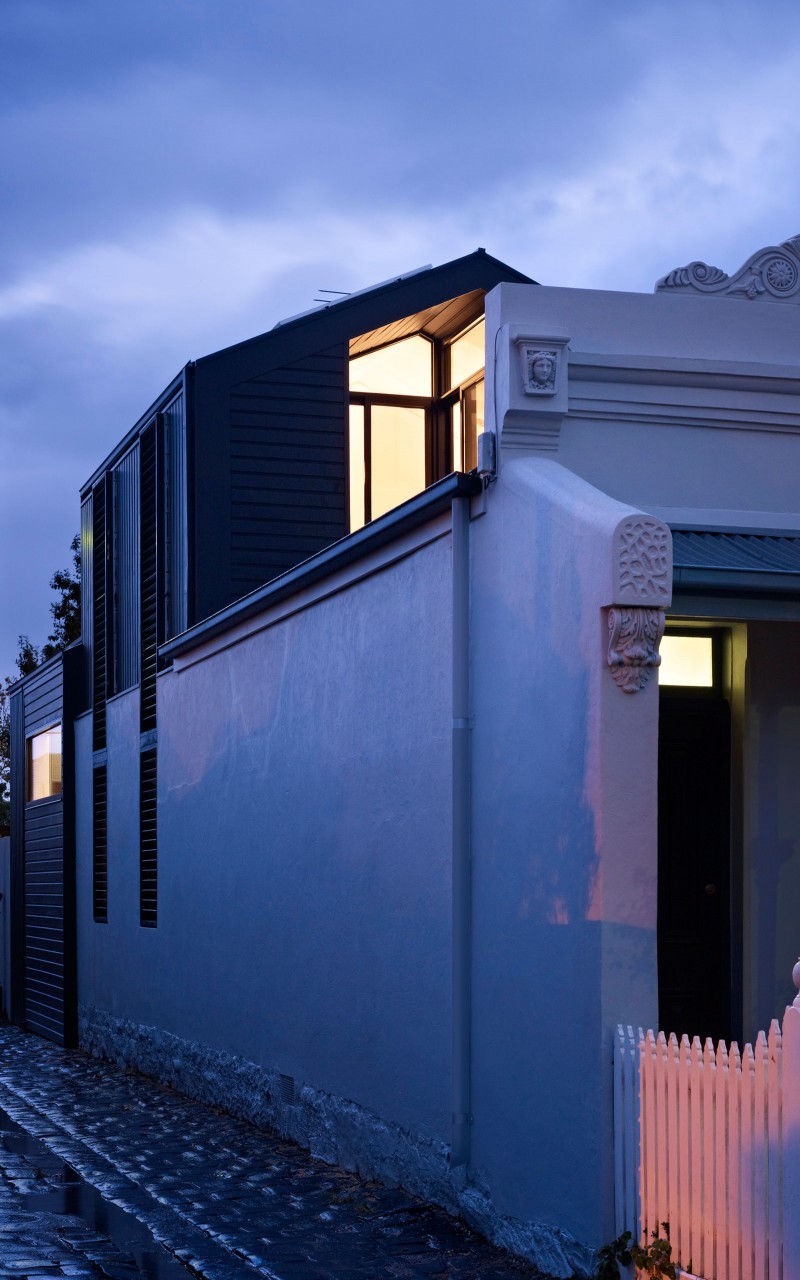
416,410
44,764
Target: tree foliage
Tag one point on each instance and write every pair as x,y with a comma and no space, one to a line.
65,612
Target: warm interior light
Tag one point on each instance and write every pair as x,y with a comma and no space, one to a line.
467,353
44,764
398,456
401,369
356,466
686,661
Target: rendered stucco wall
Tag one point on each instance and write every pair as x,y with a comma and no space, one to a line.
681,406
304,850
564,848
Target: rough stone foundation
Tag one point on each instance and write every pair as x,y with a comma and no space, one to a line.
332,1129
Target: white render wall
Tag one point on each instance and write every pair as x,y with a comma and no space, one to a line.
305,793
304,917
686,407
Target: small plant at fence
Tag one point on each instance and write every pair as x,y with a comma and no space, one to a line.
654,1259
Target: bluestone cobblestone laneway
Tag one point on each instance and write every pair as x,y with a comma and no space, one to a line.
229,1200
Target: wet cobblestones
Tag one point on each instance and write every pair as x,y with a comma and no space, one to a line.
229,1200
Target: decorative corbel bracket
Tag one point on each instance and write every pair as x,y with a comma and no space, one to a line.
642,588
634,637
531,388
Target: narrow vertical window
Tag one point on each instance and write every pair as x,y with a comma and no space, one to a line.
44,764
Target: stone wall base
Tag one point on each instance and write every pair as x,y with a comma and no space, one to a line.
331,1128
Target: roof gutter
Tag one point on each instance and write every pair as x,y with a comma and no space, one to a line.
419,510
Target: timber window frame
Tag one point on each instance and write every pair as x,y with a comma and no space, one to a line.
47,781
453,418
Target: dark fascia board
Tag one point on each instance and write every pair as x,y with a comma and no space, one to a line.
743,530
37,672
365,310
736,582
418,510
297,336
132,436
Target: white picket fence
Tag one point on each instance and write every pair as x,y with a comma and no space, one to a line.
708,1140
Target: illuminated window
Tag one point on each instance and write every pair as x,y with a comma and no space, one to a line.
397,462
402,369
465,360
467,354
416,411
687,661
44,764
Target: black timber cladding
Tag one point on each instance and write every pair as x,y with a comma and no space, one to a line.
43,858
279,394
229,547
288,466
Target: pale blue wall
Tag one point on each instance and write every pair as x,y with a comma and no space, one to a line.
304,850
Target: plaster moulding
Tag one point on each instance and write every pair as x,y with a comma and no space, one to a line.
772,274
642,589
531,388
634,635
642,555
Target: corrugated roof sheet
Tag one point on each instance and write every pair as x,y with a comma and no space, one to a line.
736,551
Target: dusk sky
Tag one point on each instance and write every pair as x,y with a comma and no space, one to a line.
180,174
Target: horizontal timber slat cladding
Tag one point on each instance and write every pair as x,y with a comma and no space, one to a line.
296,489
318,399
288,464
324,501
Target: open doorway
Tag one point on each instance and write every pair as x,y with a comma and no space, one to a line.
694,834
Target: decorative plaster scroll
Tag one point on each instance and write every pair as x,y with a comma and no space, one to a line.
634,637
772,273
644,550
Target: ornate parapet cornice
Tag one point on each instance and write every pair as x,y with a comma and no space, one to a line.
772,274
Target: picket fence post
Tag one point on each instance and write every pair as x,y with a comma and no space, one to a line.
791,1135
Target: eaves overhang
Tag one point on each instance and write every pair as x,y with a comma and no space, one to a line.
417,511
736,562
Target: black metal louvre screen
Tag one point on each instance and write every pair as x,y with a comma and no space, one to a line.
151,452
99,625
101,509
148,847
99,845
148,560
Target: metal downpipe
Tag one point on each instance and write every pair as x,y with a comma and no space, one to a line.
462,855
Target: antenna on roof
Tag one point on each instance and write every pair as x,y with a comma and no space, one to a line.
340,293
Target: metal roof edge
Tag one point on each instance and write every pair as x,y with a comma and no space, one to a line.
338,555
359,295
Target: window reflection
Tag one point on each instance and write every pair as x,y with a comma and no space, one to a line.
44,764
402,369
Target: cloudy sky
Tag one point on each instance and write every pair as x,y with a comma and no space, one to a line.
179,174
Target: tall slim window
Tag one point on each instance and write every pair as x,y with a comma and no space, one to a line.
391,391
464,357
44,764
